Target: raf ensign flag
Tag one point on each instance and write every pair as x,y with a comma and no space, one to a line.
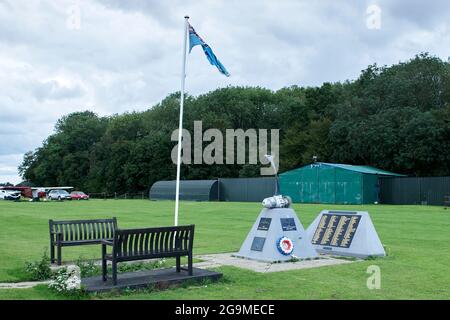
195,39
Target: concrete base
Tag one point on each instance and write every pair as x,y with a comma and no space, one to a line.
229,259
159,278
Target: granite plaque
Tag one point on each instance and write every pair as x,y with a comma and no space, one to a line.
288,224
264,224
258,243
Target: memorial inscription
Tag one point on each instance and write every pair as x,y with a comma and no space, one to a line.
264,224
288,224
258,243
336,230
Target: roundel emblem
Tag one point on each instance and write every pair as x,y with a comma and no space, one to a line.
285,246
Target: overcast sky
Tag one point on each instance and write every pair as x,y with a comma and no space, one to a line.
118,56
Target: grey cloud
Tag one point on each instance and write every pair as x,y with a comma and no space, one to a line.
127,54
8,170
53,90
424,14
159,10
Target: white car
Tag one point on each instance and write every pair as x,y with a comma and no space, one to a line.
9,195
58,195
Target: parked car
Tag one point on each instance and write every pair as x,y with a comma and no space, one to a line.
58,195
9,195
79,195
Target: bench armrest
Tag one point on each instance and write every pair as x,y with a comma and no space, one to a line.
107,242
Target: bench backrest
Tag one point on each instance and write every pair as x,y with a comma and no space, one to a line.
79,230
153,241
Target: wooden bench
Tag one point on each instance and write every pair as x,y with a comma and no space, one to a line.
79,232
149,243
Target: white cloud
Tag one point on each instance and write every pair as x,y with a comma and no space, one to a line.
126,55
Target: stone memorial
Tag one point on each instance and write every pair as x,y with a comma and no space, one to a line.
277,234
346,233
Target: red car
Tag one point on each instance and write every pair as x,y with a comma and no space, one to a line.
79,195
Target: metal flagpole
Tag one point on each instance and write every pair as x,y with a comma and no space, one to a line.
180,126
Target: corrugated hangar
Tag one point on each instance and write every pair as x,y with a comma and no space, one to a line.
333,183
197,190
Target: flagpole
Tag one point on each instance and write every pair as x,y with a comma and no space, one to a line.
180,125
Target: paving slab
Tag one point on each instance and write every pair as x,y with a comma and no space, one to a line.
22,285
228,259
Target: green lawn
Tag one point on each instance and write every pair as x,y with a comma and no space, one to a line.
417,239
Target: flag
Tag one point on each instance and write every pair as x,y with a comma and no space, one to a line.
195,39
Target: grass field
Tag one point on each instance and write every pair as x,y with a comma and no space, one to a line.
417,239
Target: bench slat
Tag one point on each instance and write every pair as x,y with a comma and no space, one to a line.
151,243
136,244
80,231
171,242
72,233
166,241
141,243
131,239
161,241
89,230
84,230
185,239
95,235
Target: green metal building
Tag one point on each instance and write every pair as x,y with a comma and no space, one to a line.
333,183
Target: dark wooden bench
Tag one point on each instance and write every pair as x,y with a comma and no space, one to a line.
79,232
148,243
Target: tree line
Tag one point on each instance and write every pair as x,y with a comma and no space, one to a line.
396,118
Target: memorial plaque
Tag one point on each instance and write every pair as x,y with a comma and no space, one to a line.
264,224
336,230
258,243
288,224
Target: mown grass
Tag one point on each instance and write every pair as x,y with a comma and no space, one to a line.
416,239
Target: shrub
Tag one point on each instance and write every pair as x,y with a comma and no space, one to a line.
87,267
39,270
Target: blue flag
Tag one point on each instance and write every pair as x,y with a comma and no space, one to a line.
194,40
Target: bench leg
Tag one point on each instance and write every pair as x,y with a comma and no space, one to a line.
178,260
52,252
114,272
104,269
190,264
58,252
